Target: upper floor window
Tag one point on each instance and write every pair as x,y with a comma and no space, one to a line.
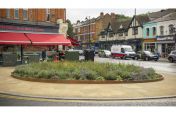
16,13
120,34
135,31
47,14
154,31
111,35
171,29
126,33
148,31
78,29
161,30
103,36
25,15
8,13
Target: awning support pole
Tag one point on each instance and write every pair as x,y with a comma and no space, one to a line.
21,54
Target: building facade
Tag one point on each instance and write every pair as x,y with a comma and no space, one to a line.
127,32
149,35
91,28
31,20
41,21
85,32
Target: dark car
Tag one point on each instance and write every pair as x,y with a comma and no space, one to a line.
147,55
172,56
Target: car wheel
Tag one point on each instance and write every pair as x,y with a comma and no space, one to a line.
146,59
156,59
135,58
171,60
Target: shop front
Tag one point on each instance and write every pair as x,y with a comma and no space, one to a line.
14,46
165,45
150,44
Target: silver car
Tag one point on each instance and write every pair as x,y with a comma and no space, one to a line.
172,56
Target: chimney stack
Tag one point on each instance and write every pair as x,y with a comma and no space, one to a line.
113,16
101,14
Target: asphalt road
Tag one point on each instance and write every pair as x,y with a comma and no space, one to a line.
157,65
19,101
6,100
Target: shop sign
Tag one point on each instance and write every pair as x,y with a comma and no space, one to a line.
150,40
28,29
169,38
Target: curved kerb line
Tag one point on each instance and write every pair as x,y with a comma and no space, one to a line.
86,99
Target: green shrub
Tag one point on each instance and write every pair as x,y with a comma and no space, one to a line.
110,76
84,71
100,78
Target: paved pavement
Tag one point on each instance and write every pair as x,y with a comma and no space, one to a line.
167,87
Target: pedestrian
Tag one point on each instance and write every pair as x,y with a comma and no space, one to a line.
44,55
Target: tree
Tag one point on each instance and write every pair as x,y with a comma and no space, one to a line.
70,28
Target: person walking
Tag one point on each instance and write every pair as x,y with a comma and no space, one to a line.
44,55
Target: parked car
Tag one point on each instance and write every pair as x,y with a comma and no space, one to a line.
79,50
147,56
123,51
172,56
104,53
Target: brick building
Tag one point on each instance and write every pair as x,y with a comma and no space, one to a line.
35,20
25,31
91,28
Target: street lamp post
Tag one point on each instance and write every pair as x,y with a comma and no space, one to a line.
88,19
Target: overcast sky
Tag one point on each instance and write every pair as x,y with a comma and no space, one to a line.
80,14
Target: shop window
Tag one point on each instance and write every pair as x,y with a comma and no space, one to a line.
154,31
16,13
148,31
25,15
8,13
161,30
171,29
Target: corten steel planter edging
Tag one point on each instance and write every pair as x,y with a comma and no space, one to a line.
85,81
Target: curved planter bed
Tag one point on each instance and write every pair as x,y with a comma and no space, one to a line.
86,81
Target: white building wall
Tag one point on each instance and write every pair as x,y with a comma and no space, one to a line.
166,26
130,33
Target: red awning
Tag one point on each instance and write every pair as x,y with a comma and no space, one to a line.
13,38
48,39
74,42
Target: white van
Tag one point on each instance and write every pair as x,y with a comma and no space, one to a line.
123,51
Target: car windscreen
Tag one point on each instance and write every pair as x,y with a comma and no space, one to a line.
128,49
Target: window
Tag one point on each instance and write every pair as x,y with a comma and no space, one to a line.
16,13
171,29
78,29
120,34
154,31
126,33
25,16
135,30
103,36
47,14
161,30
111,35
148,31
8,13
